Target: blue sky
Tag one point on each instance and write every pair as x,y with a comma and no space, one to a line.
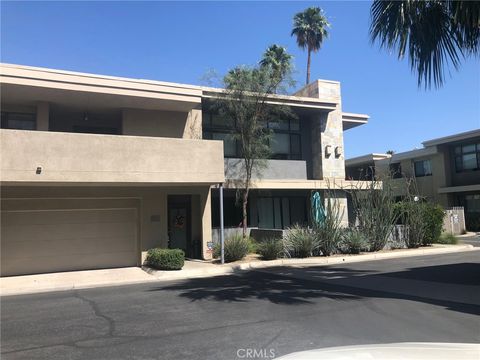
183,41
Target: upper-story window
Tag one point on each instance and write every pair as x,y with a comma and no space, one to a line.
467,157
285,142
20,121
422,168
396,170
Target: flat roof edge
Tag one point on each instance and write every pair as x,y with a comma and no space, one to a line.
355,116
366,158
100,76
209,92
452,138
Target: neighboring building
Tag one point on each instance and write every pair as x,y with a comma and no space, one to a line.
363,167
95,170
447,171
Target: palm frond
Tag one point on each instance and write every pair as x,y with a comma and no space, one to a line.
435,34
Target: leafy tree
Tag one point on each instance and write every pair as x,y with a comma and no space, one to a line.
433,33
245,102
310,27
278,60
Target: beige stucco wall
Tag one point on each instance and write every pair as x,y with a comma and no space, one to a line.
86,158
172,124
425,186
150,202
339,202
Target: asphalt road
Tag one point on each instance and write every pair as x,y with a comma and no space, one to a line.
472,240
274,312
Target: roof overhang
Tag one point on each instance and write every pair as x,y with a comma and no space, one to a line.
23,83
351,120
331,184
275,99
412,154
366,159
453,138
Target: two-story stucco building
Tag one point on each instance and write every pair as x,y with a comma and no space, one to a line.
446,171
95,170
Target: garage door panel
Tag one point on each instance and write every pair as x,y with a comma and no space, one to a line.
67,263
71,246
63,240
68,231
70,216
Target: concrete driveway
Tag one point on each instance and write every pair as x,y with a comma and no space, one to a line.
421,299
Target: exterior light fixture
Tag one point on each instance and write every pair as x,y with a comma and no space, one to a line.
39,170
328,150
338,151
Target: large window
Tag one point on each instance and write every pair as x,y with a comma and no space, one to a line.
20,121
281,212
285,142
423,168
467,157
472,203
232,210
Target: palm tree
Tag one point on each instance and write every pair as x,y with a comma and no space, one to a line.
434,33
278,60
310,28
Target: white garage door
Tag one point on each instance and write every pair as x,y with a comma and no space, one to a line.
39,241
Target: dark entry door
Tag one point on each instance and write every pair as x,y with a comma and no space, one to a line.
179,223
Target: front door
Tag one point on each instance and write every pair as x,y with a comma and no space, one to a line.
179,223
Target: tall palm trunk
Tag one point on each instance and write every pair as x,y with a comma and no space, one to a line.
308,64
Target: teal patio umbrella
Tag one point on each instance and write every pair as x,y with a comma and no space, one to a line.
318,211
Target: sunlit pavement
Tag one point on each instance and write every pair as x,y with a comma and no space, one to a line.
274,312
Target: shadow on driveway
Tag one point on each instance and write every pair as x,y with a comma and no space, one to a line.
282,285
253,285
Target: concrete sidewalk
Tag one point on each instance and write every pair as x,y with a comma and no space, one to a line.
28,284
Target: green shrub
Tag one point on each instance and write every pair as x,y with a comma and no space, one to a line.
411,214
252,245
165,259
447,238
433,218
353,241
300,242
270,249
236,248
424,222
